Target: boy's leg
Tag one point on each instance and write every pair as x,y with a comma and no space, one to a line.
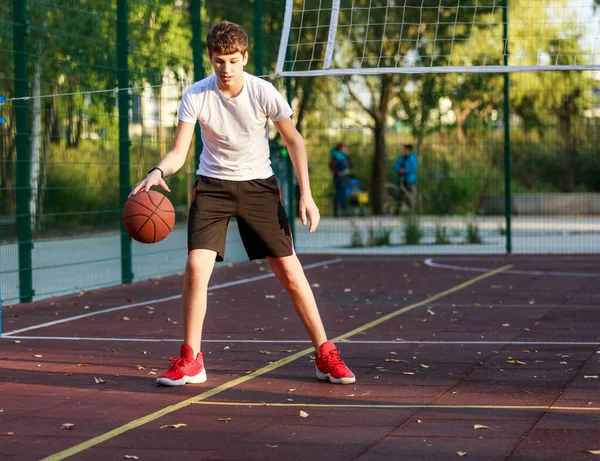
290,273
188,367
329,365
199,268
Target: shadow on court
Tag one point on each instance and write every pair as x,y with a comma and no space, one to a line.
491,358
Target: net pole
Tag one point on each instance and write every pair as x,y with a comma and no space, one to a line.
506,115
196,23
124,141
23,146
258,37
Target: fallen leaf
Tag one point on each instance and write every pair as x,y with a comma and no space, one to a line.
17,341
393,353
288,351
99,380
591,376
303,414
130,457
144,352
139,367
224,420
266,352
38,356
271,446
480,426
270,296
515,362
423,365
291,390
392,360
339,321
347,290
408,373
315,285
173,426
124,318
68,426
259,329
83,364
461,453
594,452
506,324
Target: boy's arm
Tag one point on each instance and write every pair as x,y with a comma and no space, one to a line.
172,161
297,150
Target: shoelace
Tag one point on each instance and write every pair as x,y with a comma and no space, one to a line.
334,360
178,362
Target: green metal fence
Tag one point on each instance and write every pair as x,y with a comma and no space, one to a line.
91,94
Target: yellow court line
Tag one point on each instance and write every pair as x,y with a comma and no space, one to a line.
423,406
261,371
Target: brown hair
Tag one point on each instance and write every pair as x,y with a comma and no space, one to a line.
226,38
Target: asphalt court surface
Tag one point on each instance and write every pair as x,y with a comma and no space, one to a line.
477,357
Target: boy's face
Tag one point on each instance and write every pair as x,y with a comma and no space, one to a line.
229,69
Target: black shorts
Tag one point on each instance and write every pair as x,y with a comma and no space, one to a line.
261,218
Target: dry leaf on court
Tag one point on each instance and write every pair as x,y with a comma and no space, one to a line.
288,351
408,373
68,426
259,329
266,352
270,446
339,321
590,376
17,341
144,352
83,364
315,285
224,420
303,414
130,457
393,353
99,380
594,452
270,296
125,318
347,290
461,453
37,356
173,426
139,367
515,362
480,426
392,360
423,365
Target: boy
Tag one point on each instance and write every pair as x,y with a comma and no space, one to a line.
235,178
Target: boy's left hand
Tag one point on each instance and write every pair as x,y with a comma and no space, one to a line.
308,208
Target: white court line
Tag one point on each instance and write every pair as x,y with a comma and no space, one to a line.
161,300
302,341
429,262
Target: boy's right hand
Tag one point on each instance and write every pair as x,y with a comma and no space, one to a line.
153,179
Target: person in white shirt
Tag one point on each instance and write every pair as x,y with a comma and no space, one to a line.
235,178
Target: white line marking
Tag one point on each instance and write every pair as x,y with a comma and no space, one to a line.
302,341
161,300
429,262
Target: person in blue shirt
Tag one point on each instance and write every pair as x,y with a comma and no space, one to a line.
406,167
339,164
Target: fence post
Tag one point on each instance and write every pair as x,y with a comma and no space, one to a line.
507,173
196,22
23,146
124,142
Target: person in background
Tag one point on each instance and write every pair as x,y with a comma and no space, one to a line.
339,165
406,167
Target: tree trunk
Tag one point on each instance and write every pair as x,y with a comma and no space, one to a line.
36,142
49,123
379,168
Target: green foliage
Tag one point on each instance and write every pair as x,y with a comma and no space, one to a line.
441,235
473,234
412,229
379,236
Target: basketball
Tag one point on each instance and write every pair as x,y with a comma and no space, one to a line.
148,217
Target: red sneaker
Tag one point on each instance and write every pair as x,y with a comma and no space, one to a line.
185,369
331,367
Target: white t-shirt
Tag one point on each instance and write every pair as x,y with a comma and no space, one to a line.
234,130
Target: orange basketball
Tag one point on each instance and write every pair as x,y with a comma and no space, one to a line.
148,217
